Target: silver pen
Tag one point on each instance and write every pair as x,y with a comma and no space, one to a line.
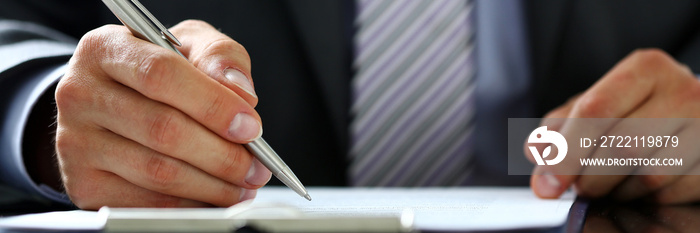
144,25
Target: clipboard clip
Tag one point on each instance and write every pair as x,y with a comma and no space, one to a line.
265,217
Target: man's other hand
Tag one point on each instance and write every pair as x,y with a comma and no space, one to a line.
646,84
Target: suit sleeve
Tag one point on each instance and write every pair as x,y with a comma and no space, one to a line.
32,60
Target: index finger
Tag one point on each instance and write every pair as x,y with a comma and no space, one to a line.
218,56
166,77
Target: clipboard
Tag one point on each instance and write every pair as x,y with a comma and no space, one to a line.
264,217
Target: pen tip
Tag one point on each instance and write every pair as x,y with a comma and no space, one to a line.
307,197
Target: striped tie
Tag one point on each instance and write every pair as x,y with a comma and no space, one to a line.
413,93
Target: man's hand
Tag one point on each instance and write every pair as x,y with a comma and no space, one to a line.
138,125
646,84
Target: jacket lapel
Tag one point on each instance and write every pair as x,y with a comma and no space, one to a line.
323,30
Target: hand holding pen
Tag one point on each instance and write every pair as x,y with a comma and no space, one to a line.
138,125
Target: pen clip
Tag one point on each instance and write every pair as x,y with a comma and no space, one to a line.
164,31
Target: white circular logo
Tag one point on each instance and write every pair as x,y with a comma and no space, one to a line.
542,135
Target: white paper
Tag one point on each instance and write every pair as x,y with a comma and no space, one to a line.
463,208
59,220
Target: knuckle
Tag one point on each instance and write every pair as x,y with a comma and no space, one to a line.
72,147
592,106
165,129
162,174
65,143
62,143
231,162
226,45
70,94
214,108
651,56
153,74
654,61
93,40
92,44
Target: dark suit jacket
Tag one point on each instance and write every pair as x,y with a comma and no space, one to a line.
301,53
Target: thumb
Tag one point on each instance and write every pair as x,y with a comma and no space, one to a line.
547,185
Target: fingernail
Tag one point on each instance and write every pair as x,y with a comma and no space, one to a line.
240,80
548,185
258,174
247,194
244,127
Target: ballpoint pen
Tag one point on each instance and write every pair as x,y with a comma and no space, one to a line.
145,26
